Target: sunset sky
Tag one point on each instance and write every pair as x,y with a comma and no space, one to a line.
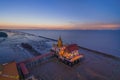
60,14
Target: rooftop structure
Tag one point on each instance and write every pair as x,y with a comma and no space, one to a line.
9,71
60,43
71,48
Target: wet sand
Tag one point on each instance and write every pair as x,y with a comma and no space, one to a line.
92,67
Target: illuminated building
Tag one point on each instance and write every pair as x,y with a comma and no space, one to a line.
67,53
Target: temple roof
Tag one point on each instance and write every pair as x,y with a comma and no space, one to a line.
71,47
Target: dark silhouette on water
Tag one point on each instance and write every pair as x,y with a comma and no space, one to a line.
3,34
29,48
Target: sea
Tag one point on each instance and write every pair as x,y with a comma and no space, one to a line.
107,41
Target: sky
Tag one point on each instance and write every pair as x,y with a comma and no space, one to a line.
60,14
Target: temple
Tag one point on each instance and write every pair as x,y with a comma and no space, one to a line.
67,53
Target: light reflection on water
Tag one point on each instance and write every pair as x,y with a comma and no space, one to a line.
107,41
11,50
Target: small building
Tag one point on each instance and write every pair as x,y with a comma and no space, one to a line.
9,71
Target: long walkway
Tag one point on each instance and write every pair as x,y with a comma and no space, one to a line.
32,62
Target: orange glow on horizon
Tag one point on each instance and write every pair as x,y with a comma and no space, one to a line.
34,26
95,26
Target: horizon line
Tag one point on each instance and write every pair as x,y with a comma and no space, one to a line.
85,26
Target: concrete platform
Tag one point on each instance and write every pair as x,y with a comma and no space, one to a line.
93,67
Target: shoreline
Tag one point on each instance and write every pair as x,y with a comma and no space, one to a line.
95,66
91,50
94,51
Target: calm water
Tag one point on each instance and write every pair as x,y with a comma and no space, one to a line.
107,41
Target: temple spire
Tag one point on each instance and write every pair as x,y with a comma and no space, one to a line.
60,44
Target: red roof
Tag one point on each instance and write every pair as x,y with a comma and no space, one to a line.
24,69
71,48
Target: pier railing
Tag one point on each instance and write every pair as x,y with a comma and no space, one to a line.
32,62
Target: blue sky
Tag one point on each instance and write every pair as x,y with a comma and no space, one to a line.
59,13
